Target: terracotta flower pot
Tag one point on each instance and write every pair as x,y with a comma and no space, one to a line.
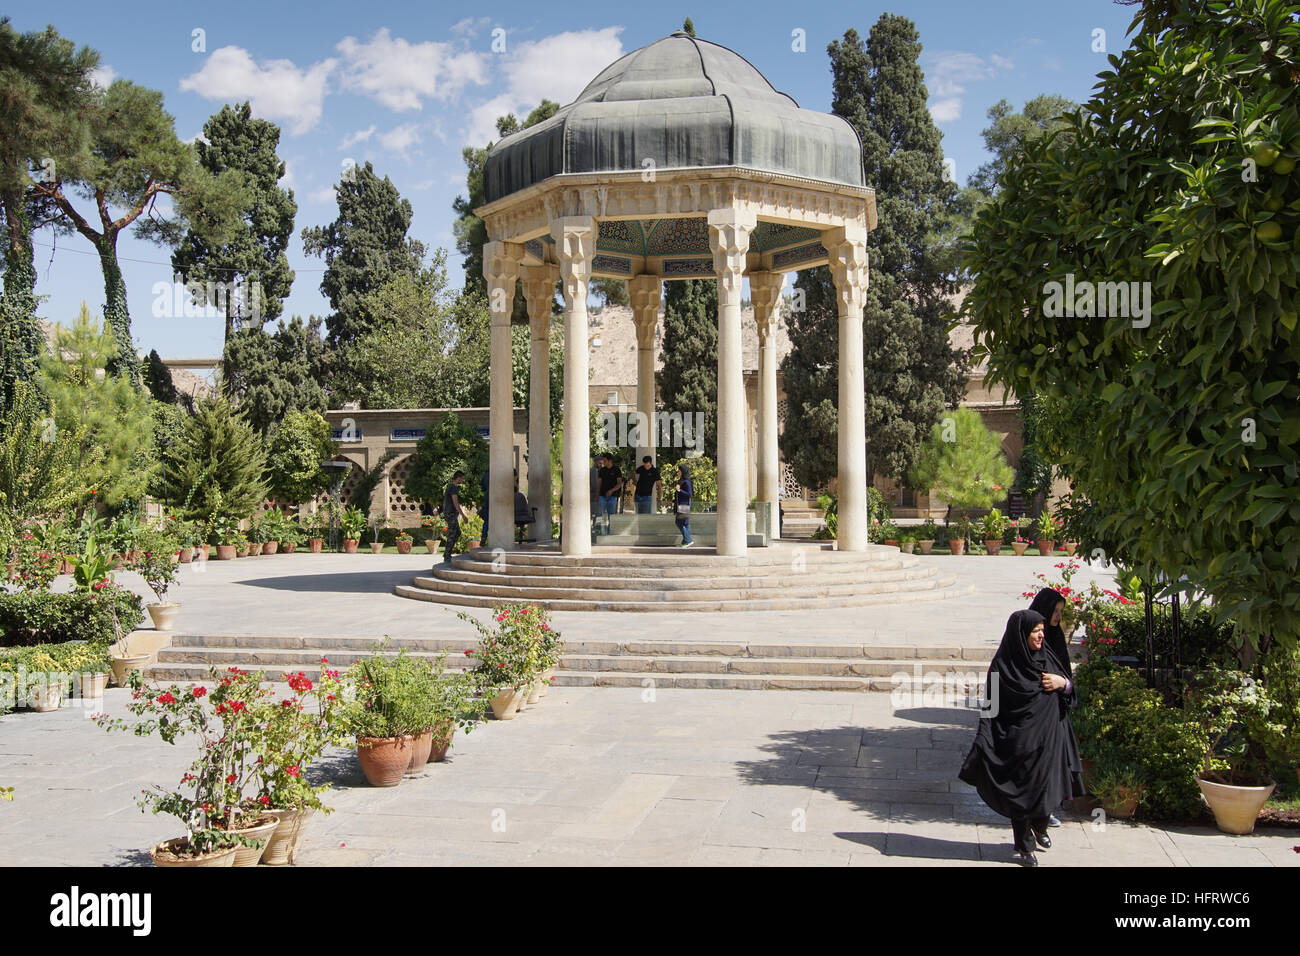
1123,804
376,547
891,542
270,547
957,545
925,546
254,549
421,745
287,547
122,666
241,552
225,552
260,831
92,685
187,555
404,547
1234,808
992,546
177,853
1046,547
164,615
506,704
384,759
350,545
316,544
207,551
282,845
441,742
1020,547
476,543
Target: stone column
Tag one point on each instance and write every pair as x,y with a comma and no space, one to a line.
847,248
729,230
764,291
645,293
501,269
539,293
575,243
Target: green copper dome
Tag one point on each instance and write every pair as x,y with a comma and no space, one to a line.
678,103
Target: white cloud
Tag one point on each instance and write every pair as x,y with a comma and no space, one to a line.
949,73
400,139
557,68
102,76
278,89
470,26
322,196
360,136
399,74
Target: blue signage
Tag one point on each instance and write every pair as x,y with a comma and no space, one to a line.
350,434
406,434
482,431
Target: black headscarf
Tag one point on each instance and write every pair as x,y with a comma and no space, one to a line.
1044,603
1025,760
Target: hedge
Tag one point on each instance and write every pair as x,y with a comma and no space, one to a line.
1201,639
40,617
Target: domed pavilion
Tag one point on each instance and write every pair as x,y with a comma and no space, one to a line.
678,161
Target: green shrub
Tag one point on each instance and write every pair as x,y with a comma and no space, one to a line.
1120,720
29,618
1202,641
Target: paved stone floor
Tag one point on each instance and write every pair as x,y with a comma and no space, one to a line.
604,776
337,594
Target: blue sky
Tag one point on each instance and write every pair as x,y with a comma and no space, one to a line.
407,85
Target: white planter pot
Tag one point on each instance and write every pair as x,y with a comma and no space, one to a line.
44,698
1234,808
164,615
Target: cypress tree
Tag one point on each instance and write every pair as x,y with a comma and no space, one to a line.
911,370
688,381
158,379
218,466
268,375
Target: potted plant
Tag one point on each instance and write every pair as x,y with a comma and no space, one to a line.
507,659
889,533
388,700
1070,547
241,544
289,738
1221,705
272,530
182,532
995,526
291,534
219,822
256,535
434,529
314,528
927,535
907,543
1047,529
471,531
377,546
226,530
159,573
1018,544
353,522
458,704
957,536
1118,785
404,542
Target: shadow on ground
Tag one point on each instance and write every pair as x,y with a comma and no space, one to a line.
361,582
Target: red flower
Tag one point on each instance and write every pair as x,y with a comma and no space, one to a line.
236,705
166,698
293,771
231,778
469,652
286,703
198,691
264,800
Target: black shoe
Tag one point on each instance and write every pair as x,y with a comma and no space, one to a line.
1026,859
1053,821
1043,840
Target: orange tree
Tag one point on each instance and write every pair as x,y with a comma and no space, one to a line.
1175,397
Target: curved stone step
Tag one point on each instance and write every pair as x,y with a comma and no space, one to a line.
942,589
686,564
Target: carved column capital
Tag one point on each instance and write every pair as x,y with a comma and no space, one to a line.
575,242
764,290
500,270
729,230
848,262
539,292
645,293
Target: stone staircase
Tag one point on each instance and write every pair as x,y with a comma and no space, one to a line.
801,520
912,669
787,577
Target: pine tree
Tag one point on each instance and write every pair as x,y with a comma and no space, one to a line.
962,462
912,372
363,248
111,420
46,84
253,257
688,381
1008,131
218,467
39,476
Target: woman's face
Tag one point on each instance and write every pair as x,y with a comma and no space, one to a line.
1056,613
1036,637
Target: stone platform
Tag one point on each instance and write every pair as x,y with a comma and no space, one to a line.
781,577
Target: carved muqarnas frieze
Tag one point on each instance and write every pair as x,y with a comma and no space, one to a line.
603,263
788,257
688,267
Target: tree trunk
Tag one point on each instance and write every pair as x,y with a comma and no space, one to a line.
116,315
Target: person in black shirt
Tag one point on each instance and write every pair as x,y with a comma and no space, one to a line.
611,483
684,492
648,487
453,513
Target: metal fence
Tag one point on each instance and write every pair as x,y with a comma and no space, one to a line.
1164,652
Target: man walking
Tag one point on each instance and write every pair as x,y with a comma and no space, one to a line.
648,487
453,513
595,494
611,484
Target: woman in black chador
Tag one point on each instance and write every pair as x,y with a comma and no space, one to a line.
1025,761
1050,603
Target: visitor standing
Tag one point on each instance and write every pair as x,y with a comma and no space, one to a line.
649,487
683,493
485,485
596,462
611,483
1025,761
452,512
1050,603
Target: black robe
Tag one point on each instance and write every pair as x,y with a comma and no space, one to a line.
1044,603
1024,761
